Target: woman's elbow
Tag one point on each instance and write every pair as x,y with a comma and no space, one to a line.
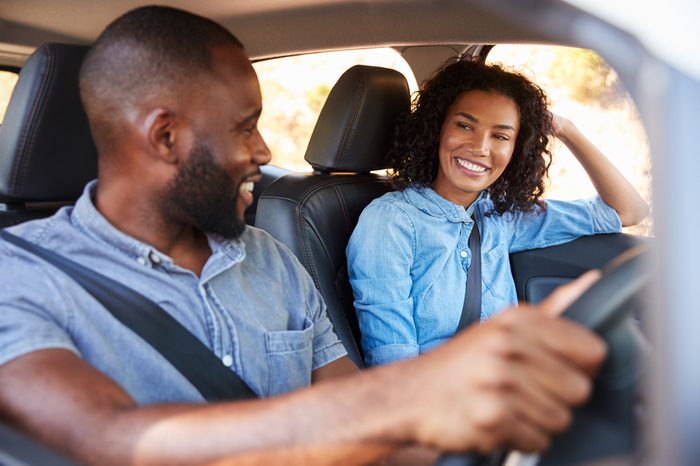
633,216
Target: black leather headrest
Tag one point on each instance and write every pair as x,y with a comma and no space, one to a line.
355,129
46,150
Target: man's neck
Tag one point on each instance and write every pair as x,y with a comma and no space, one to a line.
186,245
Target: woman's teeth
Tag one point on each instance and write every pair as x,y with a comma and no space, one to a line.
471,166
247,186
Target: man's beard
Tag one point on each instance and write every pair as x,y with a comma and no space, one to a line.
206,195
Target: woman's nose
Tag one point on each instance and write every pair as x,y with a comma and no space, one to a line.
480,146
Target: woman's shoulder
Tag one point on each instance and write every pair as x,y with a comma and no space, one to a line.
391,201
388,211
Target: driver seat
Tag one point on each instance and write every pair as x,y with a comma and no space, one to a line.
46,151
314,213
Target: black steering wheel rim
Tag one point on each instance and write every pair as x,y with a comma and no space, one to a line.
606,308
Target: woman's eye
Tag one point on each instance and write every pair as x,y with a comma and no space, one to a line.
463,125
502,137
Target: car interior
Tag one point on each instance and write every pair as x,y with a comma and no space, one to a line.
47,156
312,213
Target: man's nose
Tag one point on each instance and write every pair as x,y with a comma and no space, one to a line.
261,153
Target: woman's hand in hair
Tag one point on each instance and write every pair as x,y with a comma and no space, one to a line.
611,185
560,125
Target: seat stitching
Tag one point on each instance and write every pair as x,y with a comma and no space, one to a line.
343,207
357,104
30,129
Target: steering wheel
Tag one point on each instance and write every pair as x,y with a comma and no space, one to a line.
606,425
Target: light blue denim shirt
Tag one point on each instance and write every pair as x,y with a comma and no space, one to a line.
408,259
254,306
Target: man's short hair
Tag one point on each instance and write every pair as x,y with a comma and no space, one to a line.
149,51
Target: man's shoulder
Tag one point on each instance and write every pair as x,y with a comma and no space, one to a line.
261,245
40,231
264,252
258,239
29,274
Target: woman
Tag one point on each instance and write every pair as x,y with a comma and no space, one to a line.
473,148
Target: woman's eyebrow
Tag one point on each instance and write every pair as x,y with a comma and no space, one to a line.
468,116
476,120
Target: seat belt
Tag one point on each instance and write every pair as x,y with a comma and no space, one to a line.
471,309
172,340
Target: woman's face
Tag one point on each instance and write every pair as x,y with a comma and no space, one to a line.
477,140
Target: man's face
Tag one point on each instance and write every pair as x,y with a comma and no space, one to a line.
207,194
213,185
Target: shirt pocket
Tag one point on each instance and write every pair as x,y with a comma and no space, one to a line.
494,271
289,358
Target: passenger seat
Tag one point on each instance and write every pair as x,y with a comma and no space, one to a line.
315,213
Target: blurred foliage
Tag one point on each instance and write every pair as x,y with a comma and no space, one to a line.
587,77
316,97
8,79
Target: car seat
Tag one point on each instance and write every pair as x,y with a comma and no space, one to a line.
46,151
315,213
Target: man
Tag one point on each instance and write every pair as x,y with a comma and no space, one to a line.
173,104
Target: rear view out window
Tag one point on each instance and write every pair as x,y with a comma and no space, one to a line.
294,90
583,88
8,79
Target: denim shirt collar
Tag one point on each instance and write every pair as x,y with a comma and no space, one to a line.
427,200
89,220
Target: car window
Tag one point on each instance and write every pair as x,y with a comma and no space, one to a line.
585,89
294,90
8,79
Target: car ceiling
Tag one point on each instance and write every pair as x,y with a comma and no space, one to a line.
277,27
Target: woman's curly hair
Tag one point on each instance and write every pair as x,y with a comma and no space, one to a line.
414,156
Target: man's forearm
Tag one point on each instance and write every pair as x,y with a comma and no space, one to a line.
316,426
88,416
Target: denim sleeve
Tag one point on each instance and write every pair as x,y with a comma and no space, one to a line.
31,316
559,222
380,254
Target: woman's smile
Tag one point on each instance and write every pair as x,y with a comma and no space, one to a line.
476,144
471,168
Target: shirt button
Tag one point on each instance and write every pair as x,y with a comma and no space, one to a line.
141,260
154,258
227,360
463,254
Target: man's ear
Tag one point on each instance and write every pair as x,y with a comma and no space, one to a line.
160,129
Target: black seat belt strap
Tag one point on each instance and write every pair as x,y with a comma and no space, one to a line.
172,340
471,310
